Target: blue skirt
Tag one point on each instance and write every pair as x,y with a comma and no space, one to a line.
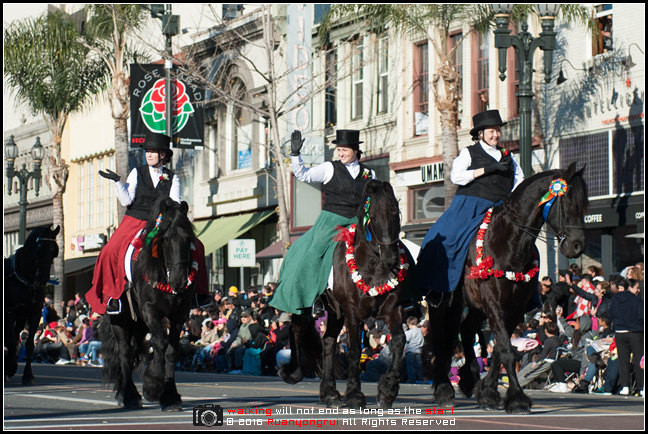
445,247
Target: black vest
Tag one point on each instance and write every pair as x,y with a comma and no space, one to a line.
146,194
493,186
343,193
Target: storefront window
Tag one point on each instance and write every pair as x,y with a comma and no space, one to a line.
427,202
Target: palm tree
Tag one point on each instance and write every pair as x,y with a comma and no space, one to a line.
435,21
51,73
106,32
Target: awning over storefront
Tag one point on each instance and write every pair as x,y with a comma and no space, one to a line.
215,233
79,265
274,250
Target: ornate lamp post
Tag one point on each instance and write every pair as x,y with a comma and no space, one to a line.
525,45
23,175
170,28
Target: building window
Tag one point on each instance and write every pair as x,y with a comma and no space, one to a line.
91,194
593,152
628,150
421,88
457,61
513,73
383,74
357,79
480,95
427,202
330,111
101,197
81,197
111,199
602,40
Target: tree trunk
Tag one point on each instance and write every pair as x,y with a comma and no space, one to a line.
119,105
59,261
447,106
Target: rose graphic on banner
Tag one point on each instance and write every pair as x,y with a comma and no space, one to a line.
153,109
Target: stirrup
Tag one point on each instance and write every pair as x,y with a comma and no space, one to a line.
318,309
111,310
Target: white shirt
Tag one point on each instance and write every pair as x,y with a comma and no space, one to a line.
322,173
126,192
461,175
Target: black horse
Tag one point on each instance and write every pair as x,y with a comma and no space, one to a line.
369,279
25,275
163,272
499,280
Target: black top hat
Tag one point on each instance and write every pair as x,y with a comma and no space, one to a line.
348,139
489,118
159,142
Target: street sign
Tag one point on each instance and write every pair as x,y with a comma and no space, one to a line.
241,253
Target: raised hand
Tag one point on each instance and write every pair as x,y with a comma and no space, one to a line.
296,143
109,174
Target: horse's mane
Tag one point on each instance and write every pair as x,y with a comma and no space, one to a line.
383,202
535,186
175,227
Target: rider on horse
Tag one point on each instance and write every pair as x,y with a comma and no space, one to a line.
306,268
486,174
144,185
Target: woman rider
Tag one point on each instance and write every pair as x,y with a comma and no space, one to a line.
485,174
306,268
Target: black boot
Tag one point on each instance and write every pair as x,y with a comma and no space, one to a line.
201,300
114,306
583,387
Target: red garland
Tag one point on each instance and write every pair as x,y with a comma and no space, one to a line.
484,265
348,236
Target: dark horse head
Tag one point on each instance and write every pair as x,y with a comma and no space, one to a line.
563,216
166,256
379,221
40,249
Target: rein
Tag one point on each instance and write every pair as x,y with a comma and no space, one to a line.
557,189
14,267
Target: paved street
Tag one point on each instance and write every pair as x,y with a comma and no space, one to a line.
71,397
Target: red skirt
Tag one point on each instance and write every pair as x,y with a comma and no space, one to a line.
110,276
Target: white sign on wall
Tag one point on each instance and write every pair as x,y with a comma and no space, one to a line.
241,253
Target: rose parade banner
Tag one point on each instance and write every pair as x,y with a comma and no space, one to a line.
148,107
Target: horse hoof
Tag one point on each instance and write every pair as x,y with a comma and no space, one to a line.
444,395
149,397
520,405
356,401
291,377
172,407
132,405
28,381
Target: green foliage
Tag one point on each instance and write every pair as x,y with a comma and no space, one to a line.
47,68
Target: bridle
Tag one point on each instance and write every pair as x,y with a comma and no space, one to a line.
14,265
554,196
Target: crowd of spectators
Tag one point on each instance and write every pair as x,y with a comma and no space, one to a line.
587,337
66,339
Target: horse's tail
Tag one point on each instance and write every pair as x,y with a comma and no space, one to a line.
112,371
306,351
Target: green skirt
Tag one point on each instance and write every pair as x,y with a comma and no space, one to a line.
305,270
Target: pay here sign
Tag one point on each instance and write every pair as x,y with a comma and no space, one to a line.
241,253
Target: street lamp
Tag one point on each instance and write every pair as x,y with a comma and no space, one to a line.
23,175
170,28
525,45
